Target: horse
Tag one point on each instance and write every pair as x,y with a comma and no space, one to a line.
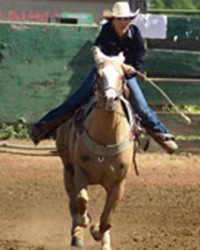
98,151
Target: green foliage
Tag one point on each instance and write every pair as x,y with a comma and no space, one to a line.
197,3
171,4
158,4
14,131
184,108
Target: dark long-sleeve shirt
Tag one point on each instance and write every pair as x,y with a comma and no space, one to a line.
132,44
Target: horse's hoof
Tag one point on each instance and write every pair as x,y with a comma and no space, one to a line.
77,242
97,235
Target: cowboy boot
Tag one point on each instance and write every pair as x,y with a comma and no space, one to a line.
165,140
45,130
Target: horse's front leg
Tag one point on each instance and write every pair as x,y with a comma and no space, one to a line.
114,195
82,217
76,231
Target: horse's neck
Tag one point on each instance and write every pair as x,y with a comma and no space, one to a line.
108,127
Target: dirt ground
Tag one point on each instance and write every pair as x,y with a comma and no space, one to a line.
160,209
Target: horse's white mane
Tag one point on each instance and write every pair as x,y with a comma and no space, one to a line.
100,57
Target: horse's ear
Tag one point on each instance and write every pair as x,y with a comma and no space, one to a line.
128,69
99,56
118,59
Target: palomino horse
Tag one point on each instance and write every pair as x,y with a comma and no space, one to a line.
100,151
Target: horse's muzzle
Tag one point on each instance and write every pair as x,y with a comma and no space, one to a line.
109,104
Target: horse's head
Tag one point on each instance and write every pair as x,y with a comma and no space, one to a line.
111,78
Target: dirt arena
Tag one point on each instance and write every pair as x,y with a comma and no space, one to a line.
160,209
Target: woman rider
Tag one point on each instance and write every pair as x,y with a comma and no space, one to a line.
117,34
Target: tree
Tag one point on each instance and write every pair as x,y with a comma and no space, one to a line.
197,4
159,4
171,4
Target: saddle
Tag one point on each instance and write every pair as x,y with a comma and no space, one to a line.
84,111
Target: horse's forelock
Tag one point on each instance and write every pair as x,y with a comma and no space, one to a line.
111,64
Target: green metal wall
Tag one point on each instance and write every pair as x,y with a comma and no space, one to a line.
41,64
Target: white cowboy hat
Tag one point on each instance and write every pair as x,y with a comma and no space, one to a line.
120,10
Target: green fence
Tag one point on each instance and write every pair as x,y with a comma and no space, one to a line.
41,64
174,64
175,12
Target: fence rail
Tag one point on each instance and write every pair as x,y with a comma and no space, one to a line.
180,12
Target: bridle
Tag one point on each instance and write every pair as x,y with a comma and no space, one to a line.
101,90
108,150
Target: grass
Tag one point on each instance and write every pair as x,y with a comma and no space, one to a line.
184,108
19,130
14,131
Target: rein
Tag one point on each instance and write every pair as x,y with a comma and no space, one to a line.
117,94
101,91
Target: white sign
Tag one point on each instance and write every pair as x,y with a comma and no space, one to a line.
152,26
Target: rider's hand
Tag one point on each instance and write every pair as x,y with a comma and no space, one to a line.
129,70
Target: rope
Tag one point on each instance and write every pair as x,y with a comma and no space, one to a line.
178,80
6,148
134,158
186,118
24,147
49,154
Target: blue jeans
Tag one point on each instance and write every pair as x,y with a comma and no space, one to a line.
149,119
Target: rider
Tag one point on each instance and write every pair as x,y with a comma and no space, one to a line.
117,34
